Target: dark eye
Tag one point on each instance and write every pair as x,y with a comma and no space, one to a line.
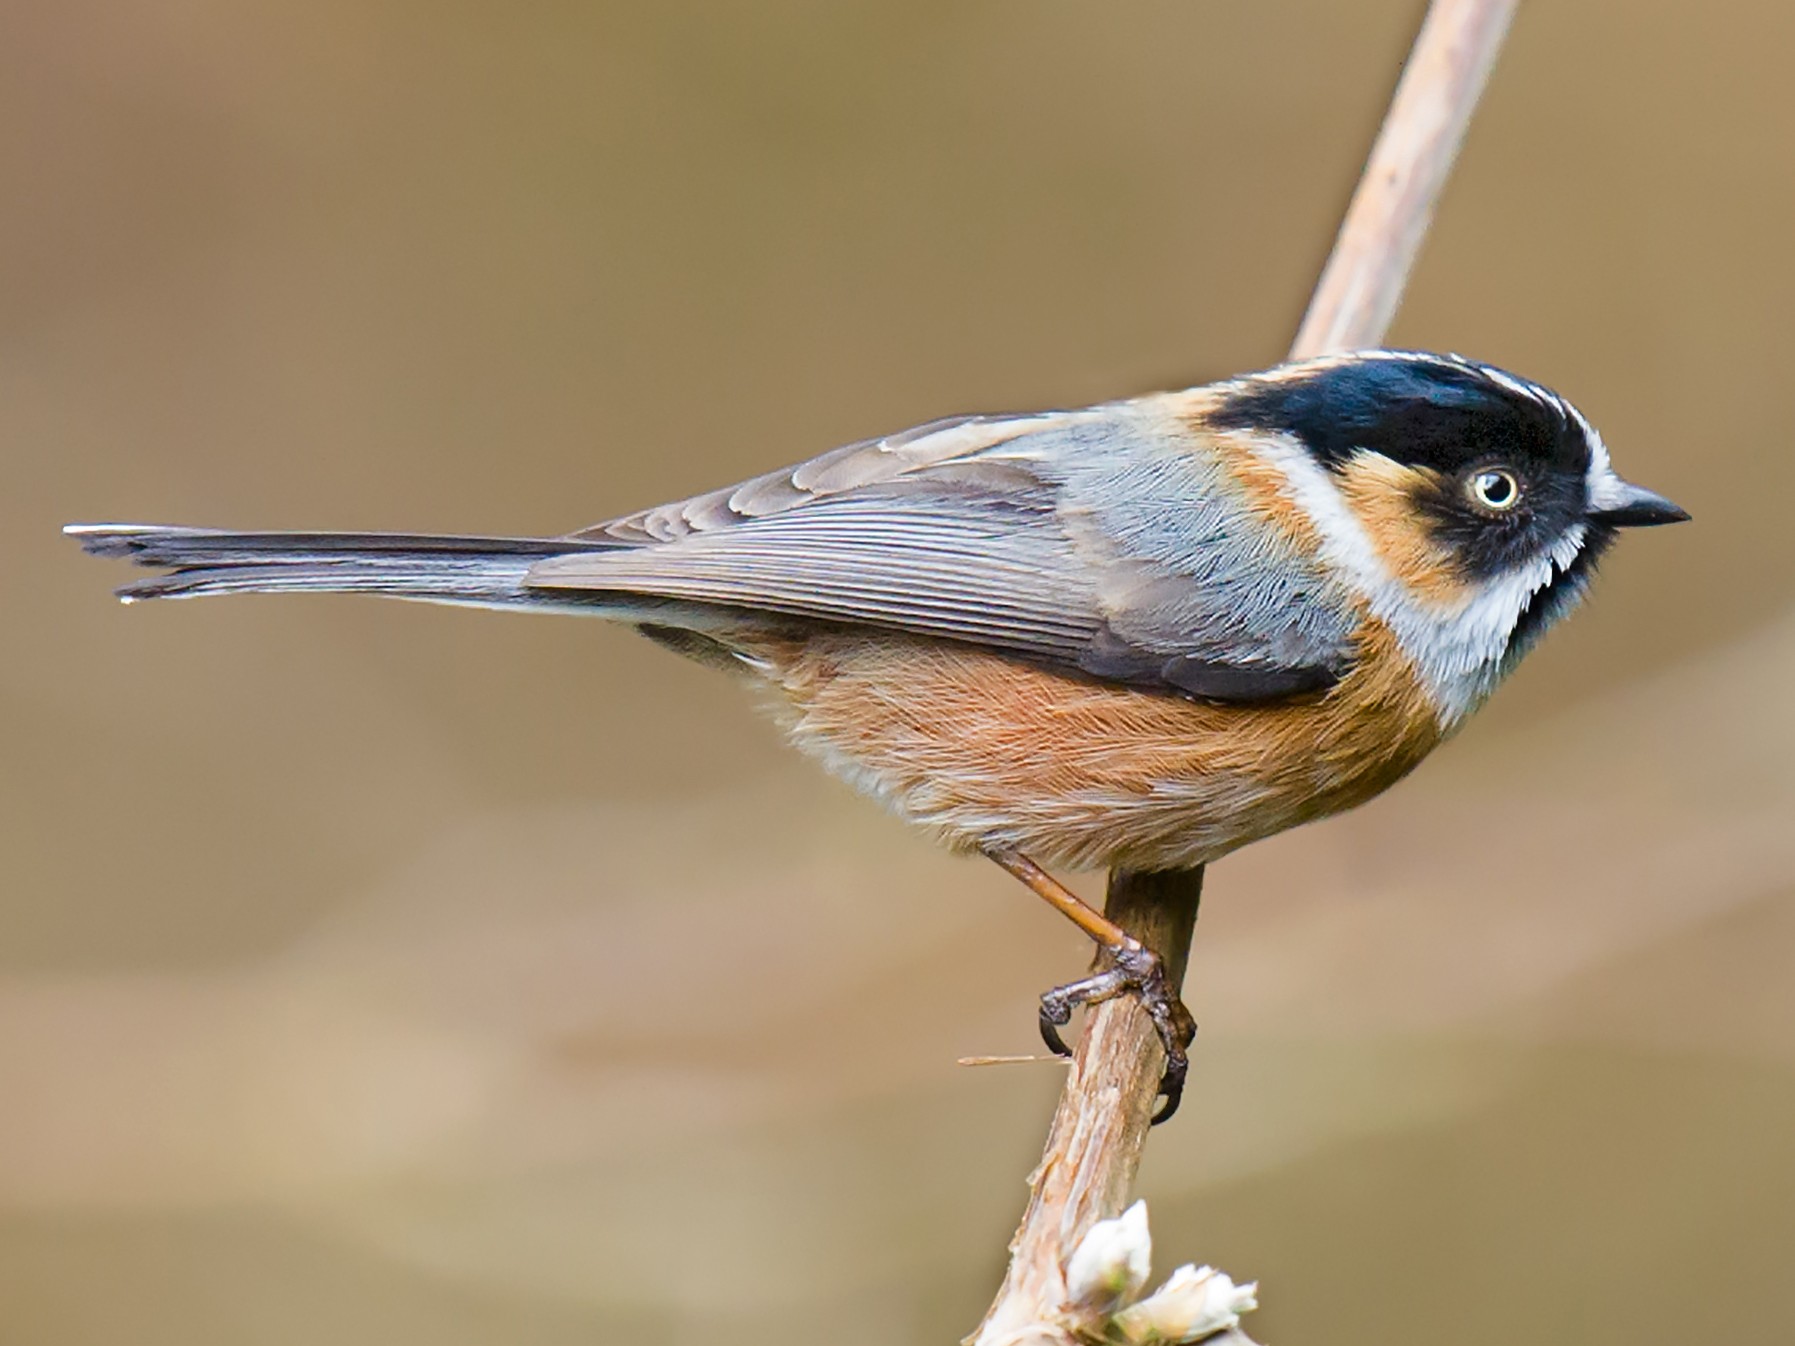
1494,488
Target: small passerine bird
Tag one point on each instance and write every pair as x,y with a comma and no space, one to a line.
1143,633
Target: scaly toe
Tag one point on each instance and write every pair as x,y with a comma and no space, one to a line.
1138,969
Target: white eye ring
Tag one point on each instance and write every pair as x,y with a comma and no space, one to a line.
1495,489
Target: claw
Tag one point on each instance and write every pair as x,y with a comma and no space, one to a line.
1057,1005
1138,969
1052,1020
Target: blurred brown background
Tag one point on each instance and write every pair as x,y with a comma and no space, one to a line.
329,929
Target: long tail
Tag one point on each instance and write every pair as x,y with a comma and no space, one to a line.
478,571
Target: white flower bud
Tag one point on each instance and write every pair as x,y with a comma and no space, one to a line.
1195,1302
1111,1262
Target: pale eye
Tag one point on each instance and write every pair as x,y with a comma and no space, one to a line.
1495,488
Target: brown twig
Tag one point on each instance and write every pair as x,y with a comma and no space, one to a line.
1094,1144
1355,300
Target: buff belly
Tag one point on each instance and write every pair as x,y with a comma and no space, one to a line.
982,750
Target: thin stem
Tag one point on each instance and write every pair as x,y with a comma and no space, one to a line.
1356,298
1094,1144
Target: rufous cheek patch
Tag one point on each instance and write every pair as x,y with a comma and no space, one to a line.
1382,496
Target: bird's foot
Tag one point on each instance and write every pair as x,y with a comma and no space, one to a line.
1133,967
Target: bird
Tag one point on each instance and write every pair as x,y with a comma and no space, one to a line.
1143,633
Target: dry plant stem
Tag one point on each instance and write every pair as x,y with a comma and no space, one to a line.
1356,298
1094,1145
1115,1080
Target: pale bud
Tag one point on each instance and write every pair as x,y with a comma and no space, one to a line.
1195,1302
1111,1262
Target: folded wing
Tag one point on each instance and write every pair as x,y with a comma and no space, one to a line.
1093,542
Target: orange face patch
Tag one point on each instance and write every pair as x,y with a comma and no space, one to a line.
1382,495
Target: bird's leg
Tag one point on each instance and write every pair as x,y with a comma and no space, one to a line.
1132,967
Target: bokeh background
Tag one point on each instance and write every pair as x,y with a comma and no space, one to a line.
379,974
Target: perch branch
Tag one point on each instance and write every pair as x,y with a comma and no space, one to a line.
1094,1144
1355,300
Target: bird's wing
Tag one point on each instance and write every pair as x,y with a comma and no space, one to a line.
1102,542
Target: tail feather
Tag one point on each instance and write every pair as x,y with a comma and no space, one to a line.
482,571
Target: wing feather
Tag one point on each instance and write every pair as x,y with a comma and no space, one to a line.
869,462
1094,541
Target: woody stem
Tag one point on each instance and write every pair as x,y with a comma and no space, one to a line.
1094,1143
